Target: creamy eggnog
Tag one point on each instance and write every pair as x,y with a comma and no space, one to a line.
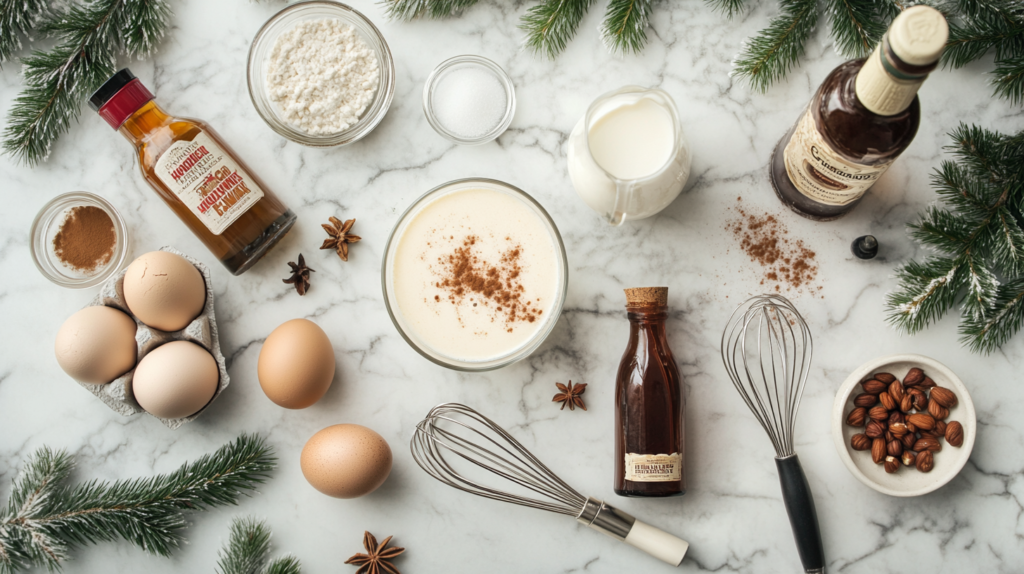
476,274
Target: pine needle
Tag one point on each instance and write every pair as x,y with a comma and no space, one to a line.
625,25
857,26
1009,79
409,9
44,519
17,17
57,82
248,548
730,7
770,54
552,24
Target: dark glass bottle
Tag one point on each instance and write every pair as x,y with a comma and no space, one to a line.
863,116
197,175
649,404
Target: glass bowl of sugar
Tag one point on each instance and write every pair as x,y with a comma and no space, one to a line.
469,100
321,74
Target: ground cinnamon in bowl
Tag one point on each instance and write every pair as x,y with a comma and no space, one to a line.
86,239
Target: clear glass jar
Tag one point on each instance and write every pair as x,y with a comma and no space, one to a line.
263,44
461,62
551,313
49,221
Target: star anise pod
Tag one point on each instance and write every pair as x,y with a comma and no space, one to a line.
300,275
570,396
339,236
375,561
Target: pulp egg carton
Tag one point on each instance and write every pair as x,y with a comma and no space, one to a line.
202,331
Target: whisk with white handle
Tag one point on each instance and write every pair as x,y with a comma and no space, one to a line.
454,441
767,351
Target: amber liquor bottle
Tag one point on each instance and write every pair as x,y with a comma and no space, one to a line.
863,116
207,186
649,404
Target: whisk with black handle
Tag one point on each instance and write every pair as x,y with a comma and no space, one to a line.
457,445
767,350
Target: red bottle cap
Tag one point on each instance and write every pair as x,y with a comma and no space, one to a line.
120,97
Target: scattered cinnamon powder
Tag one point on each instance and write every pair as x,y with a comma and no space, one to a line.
86,239
466,278
766,241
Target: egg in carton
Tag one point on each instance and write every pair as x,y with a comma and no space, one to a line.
202,331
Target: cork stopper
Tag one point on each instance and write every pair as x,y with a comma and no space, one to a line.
653,296
918,35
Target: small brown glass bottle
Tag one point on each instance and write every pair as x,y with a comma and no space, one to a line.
863,116
199,177
649,404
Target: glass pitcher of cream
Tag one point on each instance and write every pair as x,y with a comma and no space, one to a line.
628,157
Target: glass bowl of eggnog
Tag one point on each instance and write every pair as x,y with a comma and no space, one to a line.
475,274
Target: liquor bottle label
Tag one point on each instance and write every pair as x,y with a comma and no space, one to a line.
822,174
209,181
654,467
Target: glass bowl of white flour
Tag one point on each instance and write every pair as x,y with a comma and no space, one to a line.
321,74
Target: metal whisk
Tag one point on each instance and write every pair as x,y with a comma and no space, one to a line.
766,348
455,440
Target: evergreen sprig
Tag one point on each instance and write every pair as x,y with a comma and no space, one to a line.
17,18
89,37
977,234
45,519
980,26
248,549
550,25
770,54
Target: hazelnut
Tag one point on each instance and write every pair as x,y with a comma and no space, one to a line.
908,440
898,429
878,450
865,400
909,457
897,391
894,448
896,417
874,429
857,417
860,442
927,444
885,377
921,421
925,461
891,464
927,383
878,413
940,428
936,410
914,377
873,386
887,401
955,434
907,403
944,397
920,399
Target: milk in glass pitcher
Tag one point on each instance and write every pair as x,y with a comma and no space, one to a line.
628,157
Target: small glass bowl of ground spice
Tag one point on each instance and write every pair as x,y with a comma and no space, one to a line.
469,100
321,74
79,240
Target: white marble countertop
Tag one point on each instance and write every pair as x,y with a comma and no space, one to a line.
732,514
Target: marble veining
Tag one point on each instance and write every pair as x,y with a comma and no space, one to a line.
732,514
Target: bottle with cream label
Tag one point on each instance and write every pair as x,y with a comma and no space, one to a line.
199,177
649,403
863,116
628,158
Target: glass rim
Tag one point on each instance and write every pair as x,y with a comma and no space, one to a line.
480,61
382,98
538,338
40,227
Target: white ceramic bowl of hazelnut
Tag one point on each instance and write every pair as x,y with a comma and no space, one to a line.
932,455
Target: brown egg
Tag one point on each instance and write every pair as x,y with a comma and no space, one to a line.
296,364
175,380
96,345
346,461
164,290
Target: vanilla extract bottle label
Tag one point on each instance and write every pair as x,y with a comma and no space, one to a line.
654,467
208,181
821,174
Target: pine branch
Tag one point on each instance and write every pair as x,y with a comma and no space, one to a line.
44,520
857,25
1009,79
246,551
17,17
58,81
550,25
625,25
987,334
770,55
409,9
926,292
730,7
